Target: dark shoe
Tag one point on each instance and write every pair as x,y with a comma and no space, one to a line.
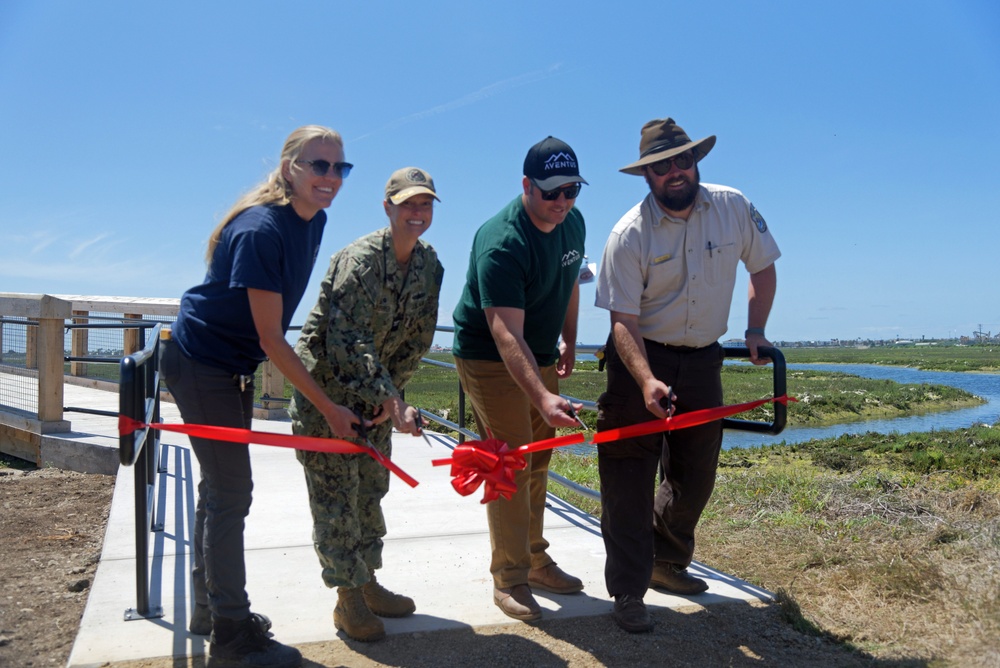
676,580
553,579
353,617
384,603
518,603
630,613
247,644
201,621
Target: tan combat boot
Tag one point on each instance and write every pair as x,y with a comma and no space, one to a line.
384,603
353,617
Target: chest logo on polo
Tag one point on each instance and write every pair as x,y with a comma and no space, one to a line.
570,257
758,219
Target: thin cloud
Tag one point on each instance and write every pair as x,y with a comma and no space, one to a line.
45,240
80,248
484,93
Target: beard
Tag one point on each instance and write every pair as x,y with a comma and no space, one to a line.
676,200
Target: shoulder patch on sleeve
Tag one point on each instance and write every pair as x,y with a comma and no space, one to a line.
757,219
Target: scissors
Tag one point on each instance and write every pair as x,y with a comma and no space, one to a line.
665,401
363,432
572,414
420,425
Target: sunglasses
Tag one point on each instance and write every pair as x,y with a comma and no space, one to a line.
322,167
570,192
683,161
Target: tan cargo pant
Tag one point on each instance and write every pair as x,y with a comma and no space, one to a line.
502,409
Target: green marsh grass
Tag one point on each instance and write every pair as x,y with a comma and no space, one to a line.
930,358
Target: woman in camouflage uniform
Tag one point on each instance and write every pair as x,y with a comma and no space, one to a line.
362,342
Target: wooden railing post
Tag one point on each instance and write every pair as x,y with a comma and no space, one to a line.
132,338
79,345
30,347
272,384
52,315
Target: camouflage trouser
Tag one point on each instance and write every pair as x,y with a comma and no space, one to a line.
345,496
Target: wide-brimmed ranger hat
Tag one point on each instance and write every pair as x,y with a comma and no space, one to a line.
551,163
662,138
407,182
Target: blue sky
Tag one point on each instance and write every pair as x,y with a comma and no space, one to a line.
866,134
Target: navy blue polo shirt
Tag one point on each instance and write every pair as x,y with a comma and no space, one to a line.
266,247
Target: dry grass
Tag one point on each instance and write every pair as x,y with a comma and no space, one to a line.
896,570
885,544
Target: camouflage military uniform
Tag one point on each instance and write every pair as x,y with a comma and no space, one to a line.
362,342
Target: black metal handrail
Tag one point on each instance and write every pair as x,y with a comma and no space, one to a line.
139,401
779,388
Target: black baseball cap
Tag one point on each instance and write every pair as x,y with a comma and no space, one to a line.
551,163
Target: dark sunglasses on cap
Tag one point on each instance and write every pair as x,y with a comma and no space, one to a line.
322,167
570,192
683,161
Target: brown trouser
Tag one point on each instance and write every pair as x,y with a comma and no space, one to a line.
502,409
640,522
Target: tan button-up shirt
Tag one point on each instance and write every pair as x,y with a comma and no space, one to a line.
678,276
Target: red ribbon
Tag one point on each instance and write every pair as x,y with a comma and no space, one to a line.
233,435
492,463
684,420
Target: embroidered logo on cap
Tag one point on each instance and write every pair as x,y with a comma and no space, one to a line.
560,160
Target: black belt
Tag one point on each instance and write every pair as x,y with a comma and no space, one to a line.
676,349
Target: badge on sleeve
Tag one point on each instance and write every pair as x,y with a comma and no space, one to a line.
757,219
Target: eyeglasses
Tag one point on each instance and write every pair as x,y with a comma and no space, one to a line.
570,192
683,161
322,167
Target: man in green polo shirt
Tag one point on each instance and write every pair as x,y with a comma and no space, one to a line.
521,295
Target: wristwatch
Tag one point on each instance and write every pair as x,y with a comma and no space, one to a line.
753,330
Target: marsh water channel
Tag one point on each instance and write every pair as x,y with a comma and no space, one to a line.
983,385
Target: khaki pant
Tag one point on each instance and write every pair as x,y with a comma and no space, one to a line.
502,409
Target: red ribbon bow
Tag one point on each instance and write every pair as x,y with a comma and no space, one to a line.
490,463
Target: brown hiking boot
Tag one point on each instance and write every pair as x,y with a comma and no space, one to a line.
518,603
353,617
553,579
384,603
676,580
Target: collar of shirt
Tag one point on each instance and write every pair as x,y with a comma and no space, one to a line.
659,216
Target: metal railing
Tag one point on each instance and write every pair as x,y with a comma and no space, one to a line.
139,401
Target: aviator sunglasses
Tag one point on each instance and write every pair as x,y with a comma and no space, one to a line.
569,191
682,161
322,167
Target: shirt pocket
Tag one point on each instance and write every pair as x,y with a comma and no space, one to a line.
665,275
719,263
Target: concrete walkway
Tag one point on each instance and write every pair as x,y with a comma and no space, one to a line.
436,550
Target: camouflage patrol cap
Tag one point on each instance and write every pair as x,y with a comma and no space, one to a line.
662,138
407,182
